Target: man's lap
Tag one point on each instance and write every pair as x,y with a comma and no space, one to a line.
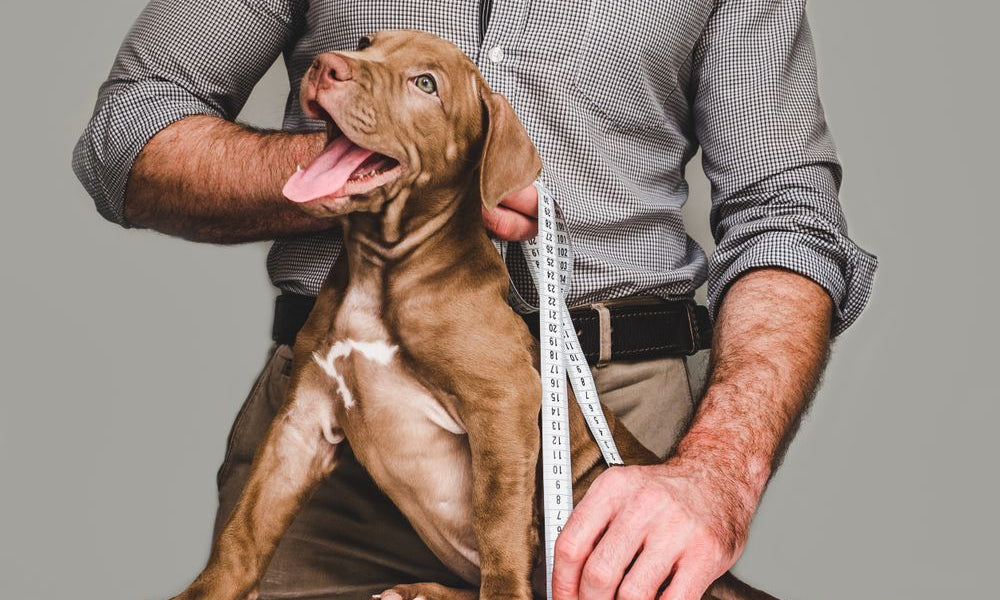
350,541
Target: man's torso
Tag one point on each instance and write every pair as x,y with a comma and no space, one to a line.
602,88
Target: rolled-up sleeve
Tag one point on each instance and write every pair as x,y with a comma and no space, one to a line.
181,57
770,158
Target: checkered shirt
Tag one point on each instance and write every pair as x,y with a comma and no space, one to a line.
617,95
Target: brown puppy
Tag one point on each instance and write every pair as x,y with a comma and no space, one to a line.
411,351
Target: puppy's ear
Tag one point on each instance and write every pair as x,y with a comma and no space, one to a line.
510,162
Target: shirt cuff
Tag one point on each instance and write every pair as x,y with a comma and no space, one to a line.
805,246
127,116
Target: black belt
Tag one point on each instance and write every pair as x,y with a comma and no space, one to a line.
643,329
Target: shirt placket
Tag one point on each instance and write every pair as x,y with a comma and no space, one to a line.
498,56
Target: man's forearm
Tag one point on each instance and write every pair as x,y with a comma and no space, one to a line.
206,179
771,343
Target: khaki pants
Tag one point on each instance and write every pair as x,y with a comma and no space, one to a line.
350,541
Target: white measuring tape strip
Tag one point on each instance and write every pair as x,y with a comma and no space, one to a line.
551,259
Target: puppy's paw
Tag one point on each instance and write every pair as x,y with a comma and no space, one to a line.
426,591
201,592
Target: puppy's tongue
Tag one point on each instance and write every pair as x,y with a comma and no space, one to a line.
327,173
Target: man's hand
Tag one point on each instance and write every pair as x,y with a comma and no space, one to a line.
685,522
638,526
516,217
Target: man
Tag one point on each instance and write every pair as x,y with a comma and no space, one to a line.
617,96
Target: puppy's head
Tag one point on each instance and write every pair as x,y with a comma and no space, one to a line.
408,111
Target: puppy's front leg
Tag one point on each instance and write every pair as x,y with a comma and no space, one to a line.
298,452
504,440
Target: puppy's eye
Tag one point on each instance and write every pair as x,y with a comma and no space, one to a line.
364,42
425,83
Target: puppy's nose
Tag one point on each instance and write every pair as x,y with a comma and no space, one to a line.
332,67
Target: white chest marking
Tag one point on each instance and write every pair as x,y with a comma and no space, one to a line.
378,351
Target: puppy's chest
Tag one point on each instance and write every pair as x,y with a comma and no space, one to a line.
407,439
365,362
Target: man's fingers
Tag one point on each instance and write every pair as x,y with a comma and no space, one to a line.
515,219
645,577
510,225
606,564
688,583
585,526
524,202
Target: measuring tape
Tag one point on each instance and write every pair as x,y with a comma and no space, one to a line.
551,259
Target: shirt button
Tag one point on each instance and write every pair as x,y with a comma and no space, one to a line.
496,54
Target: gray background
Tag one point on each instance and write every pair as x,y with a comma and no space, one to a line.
126,354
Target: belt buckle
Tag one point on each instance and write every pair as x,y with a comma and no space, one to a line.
604,333
605,330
